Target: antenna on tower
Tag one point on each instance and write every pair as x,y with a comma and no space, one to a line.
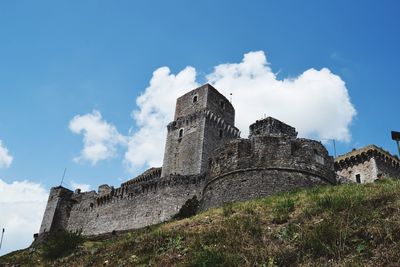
2,234
334,147
62,180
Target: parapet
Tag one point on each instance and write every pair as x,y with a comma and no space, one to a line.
273,127
272,160
358,155
150,174
367,164
205,97
105,189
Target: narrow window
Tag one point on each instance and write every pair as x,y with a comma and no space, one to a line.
221,133
358,178
195,99
180,133
222,104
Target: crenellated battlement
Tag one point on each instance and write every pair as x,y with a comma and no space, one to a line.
271,160
213,119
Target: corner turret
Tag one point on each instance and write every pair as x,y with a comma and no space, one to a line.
57,210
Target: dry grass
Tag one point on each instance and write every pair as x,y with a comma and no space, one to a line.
349,225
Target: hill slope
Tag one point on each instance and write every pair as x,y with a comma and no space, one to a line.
348,225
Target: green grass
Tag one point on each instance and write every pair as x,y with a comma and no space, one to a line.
347,225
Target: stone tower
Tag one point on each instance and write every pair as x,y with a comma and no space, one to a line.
57,210
204,119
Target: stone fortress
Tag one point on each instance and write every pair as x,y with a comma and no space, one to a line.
205,157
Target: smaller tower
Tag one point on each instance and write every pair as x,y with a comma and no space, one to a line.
272,127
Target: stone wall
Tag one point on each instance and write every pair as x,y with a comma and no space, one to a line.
138,205
265,164
250,183
183,149
388,168
367,171
220,106
57,210
199,127
369,163
272,127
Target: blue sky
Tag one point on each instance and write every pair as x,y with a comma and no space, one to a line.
60,59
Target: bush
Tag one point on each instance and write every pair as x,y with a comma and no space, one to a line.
61,244
188,209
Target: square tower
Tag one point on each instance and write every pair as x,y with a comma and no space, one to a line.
204,119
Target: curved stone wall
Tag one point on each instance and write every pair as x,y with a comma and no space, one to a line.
252,183
263,165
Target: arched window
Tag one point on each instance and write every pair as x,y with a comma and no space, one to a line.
195,98
221,133
222,104
180,133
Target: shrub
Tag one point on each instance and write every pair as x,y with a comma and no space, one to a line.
188,209
61,244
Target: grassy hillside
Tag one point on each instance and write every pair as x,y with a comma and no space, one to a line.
348,225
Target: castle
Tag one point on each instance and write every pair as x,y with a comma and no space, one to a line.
204,157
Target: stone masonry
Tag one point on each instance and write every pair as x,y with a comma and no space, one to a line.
367,164
204,157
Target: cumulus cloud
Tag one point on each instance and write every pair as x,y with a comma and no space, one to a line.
155,110
22,204
316,102
100,138
82,187
5,157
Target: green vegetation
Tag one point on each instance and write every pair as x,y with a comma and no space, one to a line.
347,225
60,244
188,209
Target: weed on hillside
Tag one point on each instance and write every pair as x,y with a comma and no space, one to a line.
347,225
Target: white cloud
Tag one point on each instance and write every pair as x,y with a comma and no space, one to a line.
100,138
82,187
22,204
156,110
316,102
5,157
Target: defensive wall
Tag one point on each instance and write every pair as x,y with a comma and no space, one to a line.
272,160
204,157
130,206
